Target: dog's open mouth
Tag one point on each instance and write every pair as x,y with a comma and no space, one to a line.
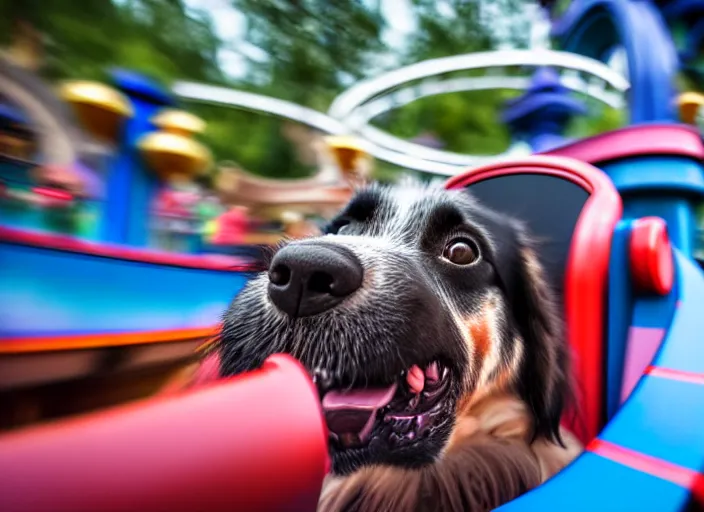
403,411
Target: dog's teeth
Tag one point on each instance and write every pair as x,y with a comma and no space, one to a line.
432,373
415,379
413,403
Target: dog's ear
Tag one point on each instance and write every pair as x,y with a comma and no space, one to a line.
542,381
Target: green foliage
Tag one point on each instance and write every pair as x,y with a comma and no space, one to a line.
311,45
308,52
599,119
159,38
255,141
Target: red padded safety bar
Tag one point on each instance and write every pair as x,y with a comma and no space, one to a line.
650,256
635,141
586,276
254,442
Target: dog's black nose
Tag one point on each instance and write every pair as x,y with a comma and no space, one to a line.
308,278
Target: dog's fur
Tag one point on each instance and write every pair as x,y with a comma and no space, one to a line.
495,323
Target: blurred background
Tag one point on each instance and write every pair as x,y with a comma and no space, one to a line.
151,148
305,52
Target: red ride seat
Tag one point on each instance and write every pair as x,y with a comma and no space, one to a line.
253,442
572,208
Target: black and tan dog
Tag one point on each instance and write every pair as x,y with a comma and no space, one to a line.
434,342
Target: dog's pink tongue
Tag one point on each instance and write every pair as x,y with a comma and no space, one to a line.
352,411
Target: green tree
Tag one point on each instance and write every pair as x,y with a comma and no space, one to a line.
159,38
312,46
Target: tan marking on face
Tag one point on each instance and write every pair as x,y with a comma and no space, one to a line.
480,331
482,335
484,330
468,343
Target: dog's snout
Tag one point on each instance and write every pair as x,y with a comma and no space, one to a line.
308,278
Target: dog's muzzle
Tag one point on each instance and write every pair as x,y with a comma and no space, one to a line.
308,278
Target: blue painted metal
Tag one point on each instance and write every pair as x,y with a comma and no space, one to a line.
136,84
619,306
595,27
670,187
594,483
130,185
541,115
680,8
45,291
661,418
686,351
628,309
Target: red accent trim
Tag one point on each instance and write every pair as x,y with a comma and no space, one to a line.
635,141
698,489
650,255
227,446
660,468
68,244
52,193
98,340
680,375
586,276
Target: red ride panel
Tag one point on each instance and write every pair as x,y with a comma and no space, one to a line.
586,277
254,442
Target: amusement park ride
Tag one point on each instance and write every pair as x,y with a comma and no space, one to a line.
619,207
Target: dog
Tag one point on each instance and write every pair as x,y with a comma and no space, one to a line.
436,345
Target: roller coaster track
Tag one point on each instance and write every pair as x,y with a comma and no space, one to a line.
353,110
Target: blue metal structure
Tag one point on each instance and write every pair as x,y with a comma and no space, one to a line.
650,453
541,115
598,28
100,289
130,185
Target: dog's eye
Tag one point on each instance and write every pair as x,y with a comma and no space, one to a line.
461,252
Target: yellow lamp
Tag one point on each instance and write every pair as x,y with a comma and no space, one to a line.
178,121
100,108
690,104
174,157
347,152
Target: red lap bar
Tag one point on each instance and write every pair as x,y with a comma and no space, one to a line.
253,442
